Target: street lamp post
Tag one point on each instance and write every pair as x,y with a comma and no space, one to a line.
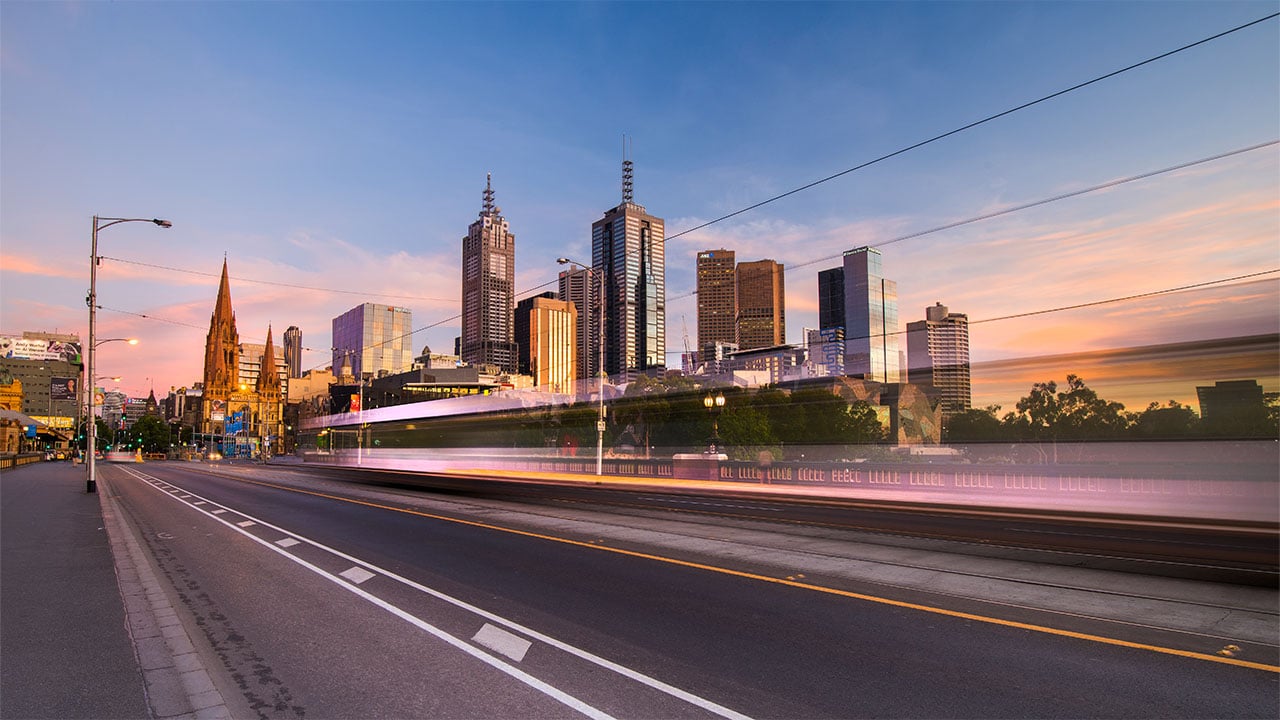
714,405
100,223
599,279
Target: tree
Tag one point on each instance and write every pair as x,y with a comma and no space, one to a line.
151,434
1076,413
1172,421
974,426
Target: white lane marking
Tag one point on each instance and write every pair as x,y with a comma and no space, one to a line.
246,523
200,503
217,512
496,663
501,641
287,542
356,575
622,670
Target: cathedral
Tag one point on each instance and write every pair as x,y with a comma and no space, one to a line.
242,408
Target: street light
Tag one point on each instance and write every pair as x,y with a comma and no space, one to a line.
101,223
600,342
714,405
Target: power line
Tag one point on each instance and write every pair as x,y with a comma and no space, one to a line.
1028,205
974,124
270,282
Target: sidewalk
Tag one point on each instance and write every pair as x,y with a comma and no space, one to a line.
85,629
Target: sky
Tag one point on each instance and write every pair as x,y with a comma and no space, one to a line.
335,153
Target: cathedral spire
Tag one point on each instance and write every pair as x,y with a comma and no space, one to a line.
268,378
222,311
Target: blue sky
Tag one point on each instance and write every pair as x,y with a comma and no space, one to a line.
344,147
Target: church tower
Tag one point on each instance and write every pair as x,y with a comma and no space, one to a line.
268,389
221,364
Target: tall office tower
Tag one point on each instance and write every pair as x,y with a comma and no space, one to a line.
293,351
938,358
488,288
521,320
375,339
628,247
551,337
831,298
580,288
761,305
871,318
717,298
250,369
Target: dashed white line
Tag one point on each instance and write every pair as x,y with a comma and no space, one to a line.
501,641
356,575
287,542
246,523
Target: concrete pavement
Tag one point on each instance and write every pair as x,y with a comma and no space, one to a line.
86,631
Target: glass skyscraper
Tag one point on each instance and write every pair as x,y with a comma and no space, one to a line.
628,248
870,318
375,339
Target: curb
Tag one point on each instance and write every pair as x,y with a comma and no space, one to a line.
175,681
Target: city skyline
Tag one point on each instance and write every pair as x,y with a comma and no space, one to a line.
371,197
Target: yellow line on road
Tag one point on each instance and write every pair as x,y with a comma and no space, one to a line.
791,583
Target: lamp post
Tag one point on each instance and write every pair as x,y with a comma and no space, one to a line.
91,485
714,405
600,342
101,223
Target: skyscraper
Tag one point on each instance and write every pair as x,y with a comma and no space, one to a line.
551,337
871,318
375,339
717,298
488,288
580,288
524,309
761,305
293,351
628,247
938,358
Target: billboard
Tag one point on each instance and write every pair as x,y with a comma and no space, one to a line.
62,388
19,348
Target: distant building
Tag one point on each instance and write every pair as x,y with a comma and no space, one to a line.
551,339
628,246
870,318
293,351
761,305
1229,398
831,299
825,350
488,288
523,349
717,298
579,287
374,339
238,416
938,358
50,369
251,356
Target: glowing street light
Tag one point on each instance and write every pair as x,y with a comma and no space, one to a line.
101,223
714,405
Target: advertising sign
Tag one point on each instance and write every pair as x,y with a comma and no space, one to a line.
29,349
62,388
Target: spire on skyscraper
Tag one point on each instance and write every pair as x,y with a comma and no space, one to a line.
489,208
626,170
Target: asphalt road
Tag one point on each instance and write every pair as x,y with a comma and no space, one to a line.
329,603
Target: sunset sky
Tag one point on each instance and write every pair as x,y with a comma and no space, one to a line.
334,154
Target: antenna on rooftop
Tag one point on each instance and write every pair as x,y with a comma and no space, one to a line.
626,169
